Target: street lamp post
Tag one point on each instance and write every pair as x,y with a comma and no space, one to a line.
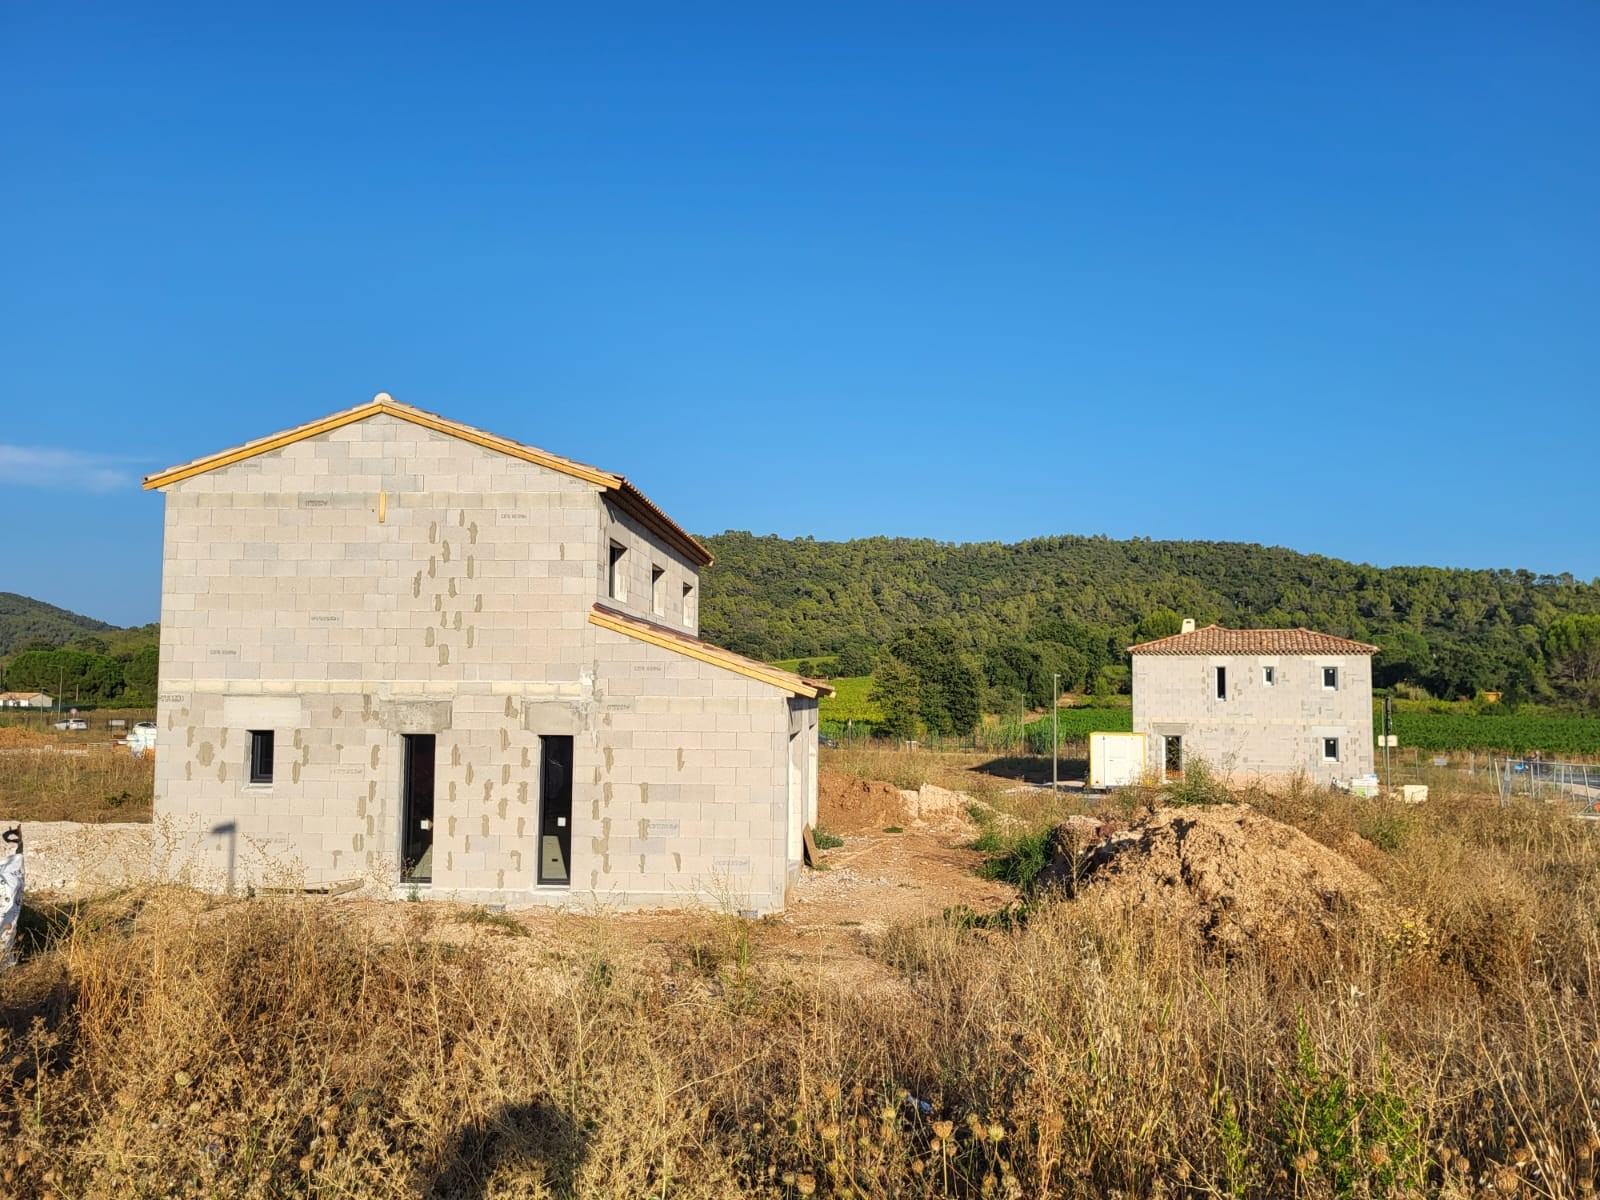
1055,732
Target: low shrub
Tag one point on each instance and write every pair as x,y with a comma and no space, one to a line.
1198,786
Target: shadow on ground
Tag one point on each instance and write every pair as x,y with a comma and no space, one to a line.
1032,768
536,1139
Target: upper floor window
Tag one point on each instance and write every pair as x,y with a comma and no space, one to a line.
1269,676
616,573
1330,678
688,605
658,590
1330,749
1222,683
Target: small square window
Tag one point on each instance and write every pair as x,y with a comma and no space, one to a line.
1330,678
688,605
658,590
1222,683
1330,749
616,576
261,756
1269,676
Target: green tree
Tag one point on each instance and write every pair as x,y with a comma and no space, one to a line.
80,677
949,687
141,671
1461,671
856,657
1572,655
1013,671
1406,658
894,690
1159,623
1075,665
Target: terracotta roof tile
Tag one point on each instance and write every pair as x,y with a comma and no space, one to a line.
1214,639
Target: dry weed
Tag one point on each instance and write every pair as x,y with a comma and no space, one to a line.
161,1044
48,779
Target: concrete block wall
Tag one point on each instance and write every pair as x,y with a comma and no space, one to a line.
279,568
642,552
687,798
1258,731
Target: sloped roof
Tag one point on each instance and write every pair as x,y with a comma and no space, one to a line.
686,644
628,497
1214,639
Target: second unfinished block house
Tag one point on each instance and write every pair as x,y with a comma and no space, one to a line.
399,650
1255,703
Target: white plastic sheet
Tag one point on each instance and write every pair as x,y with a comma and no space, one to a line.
10,906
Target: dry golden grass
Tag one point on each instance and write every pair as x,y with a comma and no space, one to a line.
910,769
45,776
162,1044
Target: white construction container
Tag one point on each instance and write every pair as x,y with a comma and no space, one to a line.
1115,759
142,738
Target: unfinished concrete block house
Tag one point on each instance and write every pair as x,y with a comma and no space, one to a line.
1255,703
399,650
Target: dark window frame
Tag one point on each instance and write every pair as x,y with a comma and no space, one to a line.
1332,672
261,754
1222,683
557,762
658,589
1330,741
616,576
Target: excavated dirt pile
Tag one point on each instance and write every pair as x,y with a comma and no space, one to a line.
1224,871
846,804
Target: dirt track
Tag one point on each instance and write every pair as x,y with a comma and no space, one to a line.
874,880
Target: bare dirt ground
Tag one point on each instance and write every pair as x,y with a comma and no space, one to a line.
69,858
864,887
833,918
874,880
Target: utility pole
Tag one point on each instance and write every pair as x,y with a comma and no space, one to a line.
1055,733
1388,740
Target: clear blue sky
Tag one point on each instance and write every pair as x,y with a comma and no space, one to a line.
1319,276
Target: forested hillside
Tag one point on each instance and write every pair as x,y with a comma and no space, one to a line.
25,621
938,621
1083,598
49,649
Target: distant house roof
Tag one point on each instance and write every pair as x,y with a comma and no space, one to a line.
686,644
23,696
1214,639
628,497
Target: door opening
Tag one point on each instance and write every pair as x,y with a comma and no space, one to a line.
416,818
797,801
555,809
1172,752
